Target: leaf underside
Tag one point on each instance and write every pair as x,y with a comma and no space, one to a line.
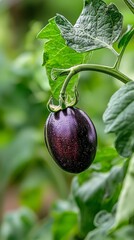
119,119
98,26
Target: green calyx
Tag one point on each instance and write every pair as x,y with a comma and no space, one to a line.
64,102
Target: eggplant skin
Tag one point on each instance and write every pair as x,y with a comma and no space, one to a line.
71,139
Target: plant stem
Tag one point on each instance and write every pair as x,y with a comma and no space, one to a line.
67,80
114,51
118,62
130,4
93,67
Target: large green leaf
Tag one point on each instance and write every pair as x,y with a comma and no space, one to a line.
125,208
119,119
97,191
98,26
58,55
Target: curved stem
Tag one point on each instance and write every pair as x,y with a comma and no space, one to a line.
64,86
93,67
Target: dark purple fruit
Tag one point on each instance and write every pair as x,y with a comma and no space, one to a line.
71,139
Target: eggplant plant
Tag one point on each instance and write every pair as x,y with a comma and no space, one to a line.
94,178
95,209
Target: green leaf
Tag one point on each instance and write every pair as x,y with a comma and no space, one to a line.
58,55
104,219
105,159
124,233
42,231
98,26
125,208
65,215
62,225
130,4
125,143
31,192
119,119
98,191
17,224
17,155
98,234
126,37
65,225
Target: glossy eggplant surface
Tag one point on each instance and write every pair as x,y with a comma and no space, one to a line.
71,139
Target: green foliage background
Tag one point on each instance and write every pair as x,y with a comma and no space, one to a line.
30,182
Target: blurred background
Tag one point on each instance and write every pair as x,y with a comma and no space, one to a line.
28,176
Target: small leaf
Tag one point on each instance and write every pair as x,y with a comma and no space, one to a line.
57,55
126,37
130,4
103,219
119,119
98,26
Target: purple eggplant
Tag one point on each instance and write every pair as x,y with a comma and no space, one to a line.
71,139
